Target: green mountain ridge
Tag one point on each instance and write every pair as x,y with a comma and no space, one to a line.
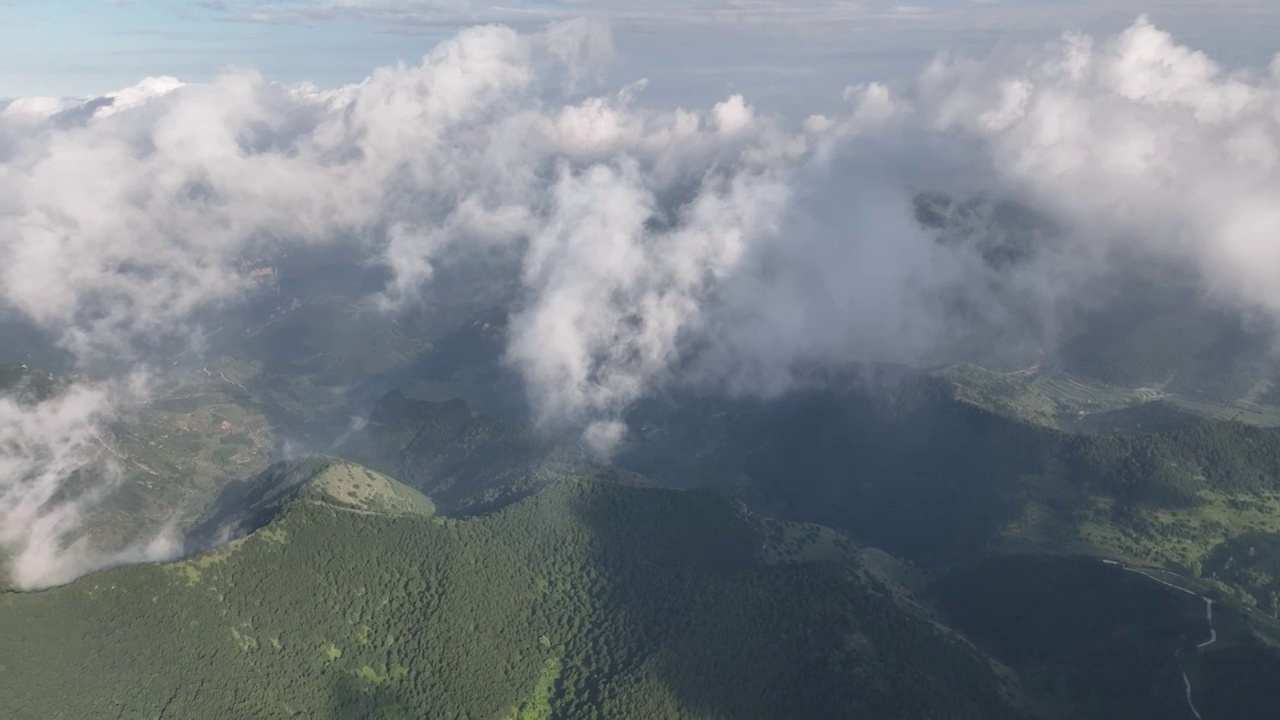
586,599
465,461
245,506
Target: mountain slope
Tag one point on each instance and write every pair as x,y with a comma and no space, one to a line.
898,461
902,465
589,599
1100,640
465,461
247,505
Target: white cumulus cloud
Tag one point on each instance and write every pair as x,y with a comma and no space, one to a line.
699,245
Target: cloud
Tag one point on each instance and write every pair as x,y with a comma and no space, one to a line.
613,295
134,219
54,466
126,225
665,13
1131,155
714,247
123,222
1139,144
41,447
1135,155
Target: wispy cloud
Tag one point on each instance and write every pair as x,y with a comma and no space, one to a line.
826,16
438,14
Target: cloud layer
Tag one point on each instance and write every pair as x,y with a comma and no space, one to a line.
710,246
55,467
1136,141
663,13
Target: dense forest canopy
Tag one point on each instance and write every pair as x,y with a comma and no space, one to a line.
590,599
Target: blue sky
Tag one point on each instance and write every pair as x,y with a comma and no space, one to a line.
778,52
86,47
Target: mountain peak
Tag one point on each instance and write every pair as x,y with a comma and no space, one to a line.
397,408
245,506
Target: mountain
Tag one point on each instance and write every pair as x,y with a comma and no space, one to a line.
464,460
899,462
1136,324
245,506
587,599
883,542
1094,639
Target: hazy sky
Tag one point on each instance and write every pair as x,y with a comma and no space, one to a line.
782,54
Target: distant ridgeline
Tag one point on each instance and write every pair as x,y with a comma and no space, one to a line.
465,461
899,463
1150,325
812,448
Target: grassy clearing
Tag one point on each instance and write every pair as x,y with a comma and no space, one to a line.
192,569
1048,399
352,486
1055,399
538,706
803,543
1180,538
372,675
1225,542
1241,411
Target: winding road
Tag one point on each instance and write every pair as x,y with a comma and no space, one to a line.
1208,616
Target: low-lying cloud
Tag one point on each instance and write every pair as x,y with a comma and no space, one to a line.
55,465
1135,141
714,246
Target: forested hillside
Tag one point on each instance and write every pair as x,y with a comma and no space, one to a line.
589,599
899,463
550,584
1111,642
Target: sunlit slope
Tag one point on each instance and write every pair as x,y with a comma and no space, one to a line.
589,599
1076,403
244,506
